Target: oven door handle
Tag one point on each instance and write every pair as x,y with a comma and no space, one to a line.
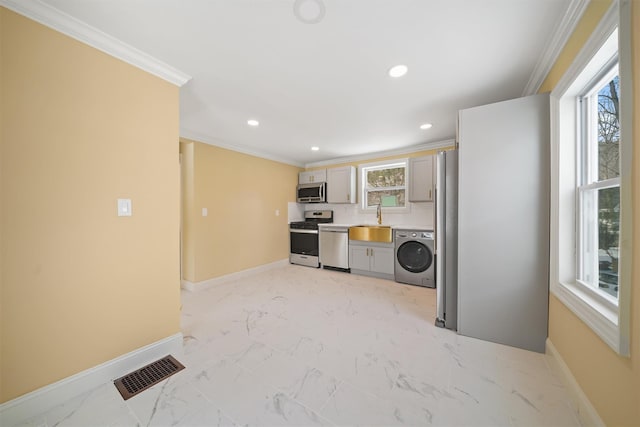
295,230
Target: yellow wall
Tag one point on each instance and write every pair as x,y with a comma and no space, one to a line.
188,233
611,382
241,193
79,285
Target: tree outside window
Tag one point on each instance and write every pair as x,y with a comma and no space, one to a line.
609,199
385,185
600,189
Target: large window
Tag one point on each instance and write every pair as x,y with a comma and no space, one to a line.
599,184
591,213
384,184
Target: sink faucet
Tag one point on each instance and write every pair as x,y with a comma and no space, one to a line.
379,213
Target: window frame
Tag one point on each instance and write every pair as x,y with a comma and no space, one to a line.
608,318
363,190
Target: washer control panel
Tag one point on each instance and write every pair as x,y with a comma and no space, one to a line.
415,234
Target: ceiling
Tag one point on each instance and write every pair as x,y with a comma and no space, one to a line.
326,83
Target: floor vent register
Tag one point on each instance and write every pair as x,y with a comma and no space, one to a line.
147,376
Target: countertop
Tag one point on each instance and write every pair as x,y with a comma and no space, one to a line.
334,225
394,227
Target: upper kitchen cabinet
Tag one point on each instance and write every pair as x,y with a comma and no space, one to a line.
309,177
341,185
421,178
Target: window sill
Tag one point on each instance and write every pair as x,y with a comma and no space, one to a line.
594,310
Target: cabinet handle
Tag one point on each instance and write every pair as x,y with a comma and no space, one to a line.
371,251
429,193
367,251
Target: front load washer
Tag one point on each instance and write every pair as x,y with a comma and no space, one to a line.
414,260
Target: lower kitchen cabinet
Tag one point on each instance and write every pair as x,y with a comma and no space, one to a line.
371,259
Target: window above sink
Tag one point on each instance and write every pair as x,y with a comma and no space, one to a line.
384,184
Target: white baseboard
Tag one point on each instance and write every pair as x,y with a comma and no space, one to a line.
52,395
587,413
209,283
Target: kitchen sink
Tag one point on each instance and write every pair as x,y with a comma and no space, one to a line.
371,233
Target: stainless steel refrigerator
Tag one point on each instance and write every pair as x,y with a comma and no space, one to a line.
492,225
446,232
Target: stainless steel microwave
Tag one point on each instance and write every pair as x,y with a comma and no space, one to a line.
312,193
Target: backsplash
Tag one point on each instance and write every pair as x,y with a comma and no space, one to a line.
420,214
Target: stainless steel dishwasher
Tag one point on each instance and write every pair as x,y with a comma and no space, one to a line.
334,246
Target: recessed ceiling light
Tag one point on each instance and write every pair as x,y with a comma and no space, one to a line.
398,71
252,122
309,11
426,126
315,148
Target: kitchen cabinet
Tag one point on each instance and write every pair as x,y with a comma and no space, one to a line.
421,179
341,185
371,258
308,177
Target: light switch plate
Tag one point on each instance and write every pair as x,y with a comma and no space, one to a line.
124,207
205,211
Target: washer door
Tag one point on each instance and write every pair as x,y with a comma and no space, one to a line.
414,256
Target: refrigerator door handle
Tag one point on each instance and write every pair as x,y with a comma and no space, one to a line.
435,221
440,287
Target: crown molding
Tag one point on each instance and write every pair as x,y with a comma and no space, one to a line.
62,22
607,25
555,44
378,154
198,137
205,139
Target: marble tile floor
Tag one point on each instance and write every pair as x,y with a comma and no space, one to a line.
299,346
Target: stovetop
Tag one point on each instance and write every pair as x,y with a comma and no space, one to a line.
312,219
304,225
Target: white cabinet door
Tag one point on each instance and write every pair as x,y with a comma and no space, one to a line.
382,260
421,173
374,259
341,185
358,257
308,177
304,177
